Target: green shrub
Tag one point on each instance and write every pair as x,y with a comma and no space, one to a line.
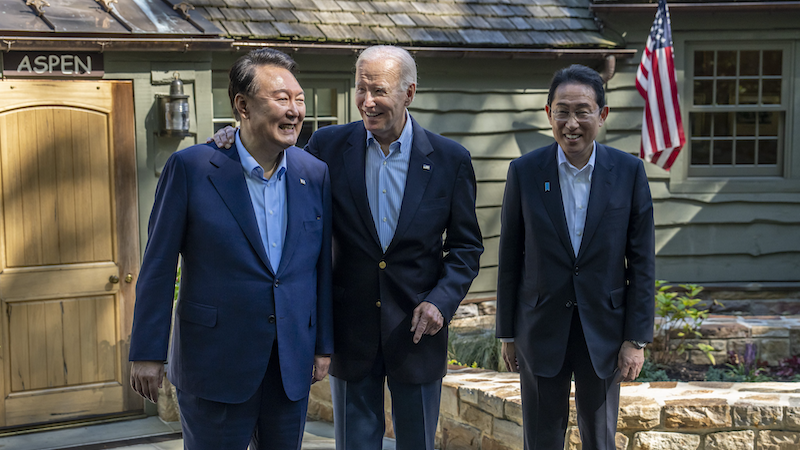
679,317
475,348
651,372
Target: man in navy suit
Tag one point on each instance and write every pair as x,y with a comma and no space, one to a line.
575,293
253,325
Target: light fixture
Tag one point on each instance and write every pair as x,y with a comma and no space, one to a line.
173,110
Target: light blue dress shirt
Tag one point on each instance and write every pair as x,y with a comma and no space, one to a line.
386,181
576,185
269,201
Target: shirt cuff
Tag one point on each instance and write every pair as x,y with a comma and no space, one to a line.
507,340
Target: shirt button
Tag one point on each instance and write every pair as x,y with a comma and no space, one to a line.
384,191
274,245
270,212
382,264
384,163
579,233
384,219
378,303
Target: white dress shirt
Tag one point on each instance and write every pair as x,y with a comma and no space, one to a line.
576,185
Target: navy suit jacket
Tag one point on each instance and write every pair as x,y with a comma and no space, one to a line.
375,293
612,278
232,306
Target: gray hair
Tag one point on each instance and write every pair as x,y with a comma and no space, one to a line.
408,67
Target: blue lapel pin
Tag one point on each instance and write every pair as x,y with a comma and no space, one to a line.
547,186
302,181
426,167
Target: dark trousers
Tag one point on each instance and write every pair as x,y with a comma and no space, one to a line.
545,401
267,421
358,411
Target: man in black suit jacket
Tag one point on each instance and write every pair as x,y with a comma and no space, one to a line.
406,249
576,271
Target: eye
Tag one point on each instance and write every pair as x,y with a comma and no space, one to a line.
582,114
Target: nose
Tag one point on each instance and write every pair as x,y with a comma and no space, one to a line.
572,121
369,100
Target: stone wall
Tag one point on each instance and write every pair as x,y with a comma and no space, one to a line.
481,410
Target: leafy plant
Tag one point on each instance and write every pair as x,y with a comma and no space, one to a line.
476,348
651,372
788,369
679,318
741,367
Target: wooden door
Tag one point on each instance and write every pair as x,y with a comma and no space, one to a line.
68,249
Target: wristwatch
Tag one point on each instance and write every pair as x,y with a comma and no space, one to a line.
639,344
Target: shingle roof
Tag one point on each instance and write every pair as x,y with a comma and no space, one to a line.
451,23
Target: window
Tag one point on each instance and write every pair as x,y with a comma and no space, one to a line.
327,102
737,115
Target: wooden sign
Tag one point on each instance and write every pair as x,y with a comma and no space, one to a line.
53,64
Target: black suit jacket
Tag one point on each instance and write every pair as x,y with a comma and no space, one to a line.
433,256
612,279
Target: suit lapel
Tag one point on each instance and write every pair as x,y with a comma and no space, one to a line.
355,169
229,182
599,195
420,169
296,200
553,203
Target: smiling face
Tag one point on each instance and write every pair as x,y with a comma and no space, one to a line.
381,100
577,132
273,116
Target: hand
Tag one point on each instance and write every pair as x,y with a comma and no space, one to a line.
630,361
146,378
224,138
321,364
427,319
509,350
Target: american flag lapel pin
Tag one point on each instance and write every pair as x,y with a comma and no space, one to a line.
547,186
303,181
426,167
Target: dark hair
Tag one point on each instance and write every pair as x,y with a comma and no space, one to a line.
243,71
578,74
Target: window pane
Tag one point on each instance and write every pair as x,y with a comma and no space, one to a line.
703,92
222,103
771,92
748,63
745,152
723,124
726,94
326,99
704,64
768,152
701,124
325,123
726,64
773,60
310,102
745,124
748,92
768,123
723,153
701,153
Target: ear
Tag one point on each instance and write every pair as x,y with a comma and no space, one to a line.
410,93
603,114
240,104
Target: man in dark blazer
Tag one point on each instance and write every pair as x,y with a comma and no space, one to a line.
406,249
575,293
252,224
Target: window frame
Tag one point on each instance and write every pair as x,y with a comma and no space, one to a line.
681,179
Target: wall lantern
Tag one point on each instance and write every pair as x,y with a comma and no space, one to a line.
173,110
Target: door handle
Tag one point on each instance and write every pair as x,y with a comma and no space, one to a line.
113,279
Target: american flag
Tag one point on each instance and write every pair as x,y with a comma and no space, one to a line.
662,128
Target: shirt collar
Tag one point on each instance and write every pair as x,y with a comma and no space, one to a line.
251,166
406,136
561,158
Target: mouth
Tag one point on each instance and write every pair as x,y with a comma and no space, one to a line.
372,114
572,136
287,127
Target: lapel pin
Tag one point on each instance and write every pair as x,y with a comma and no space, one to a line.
302,181
426,167
547,186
